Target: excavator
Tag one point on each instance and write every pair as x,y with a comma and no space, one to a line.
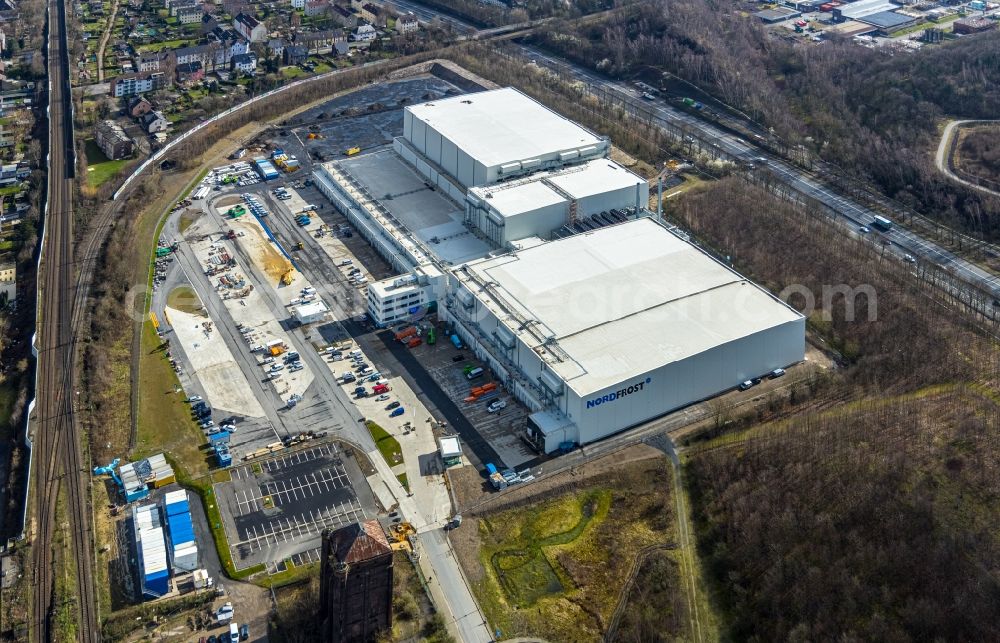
287,277
400,534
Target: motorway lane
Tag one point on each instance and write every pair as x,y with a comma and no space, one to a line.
851,214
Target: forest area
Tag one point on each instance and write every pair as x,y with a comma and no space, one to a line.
867,509
874,114
978,152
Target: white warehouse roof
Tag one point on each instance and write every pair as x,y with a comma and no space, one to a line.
621,301
541,190
503,125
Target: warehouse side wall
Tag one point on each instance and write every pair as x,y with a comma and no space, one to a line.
678,384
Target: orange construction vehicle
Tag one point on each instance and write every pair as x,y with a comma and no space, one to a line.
406,333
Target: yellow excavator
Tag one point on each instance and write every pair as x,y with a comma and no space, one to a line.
287,277
400,535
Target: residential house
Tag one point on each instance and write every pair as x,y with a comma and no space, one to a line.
320,42
365,33
208,23
139,106
357,4
177,5
190,73
156,61
211,55
276,46
372,14
250,28
298,4
407,24
295,55
190,15
8,282
246,63
113,140
317,7
154,122
138,84
344,17
235,7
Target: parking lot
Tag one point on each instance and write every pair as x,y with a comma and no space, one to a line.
277,508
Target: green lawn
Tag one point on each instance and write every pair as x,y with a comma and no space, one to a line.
387,445
165,422
292,72
99,167
166,44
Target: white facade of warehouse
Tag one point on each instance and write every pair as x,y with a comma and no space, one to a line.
482,138
603,331
537,205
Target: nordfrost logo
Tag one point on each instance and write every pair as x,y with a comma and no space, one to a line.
617,395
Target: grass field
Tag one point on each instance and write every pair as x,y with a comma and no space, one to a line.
99,167
387,445
184,299
165,422
556,568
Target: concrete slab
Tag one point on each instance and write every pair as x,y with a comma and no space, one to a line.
213,365
252,310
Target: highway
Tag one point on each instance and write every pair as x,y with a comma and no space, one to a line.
849,213
56,449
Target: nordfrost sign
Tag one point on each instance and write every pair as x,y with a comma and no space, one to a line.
619,394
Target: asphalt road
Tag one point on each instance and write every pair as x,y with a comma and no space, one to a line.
944,163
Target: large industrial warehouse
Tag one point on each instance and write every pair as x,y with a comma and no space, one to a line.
606,330
541,254
482,138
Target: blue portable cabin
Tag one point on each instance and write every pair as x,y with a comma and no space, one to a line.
218,438
456,341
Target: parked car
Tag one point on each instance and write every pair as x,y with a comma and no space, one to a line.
347,378
746,386
244,632
382,398
380,388
778,372
495,406
392,405
396,412
194,398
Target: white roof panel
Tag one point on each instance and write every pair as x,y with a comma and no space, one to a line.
174,496
523,198
622,301
580,181
595,177
503,125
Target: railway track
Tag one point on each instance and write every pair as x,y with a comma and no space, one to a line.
59,460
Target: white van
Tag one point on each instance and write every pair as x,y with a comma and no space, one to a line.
234,633
356,353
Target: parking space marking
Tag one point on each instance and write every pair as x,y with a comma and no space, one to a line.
315,483
276,531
